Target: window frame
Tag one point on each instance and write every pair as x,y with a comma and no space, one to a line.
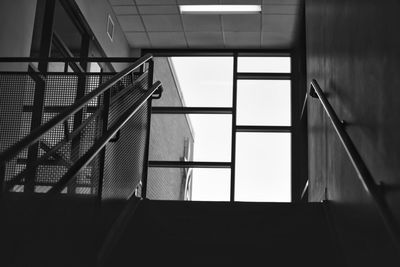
295,112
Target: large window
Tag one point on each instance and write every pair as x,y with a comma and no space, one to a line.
238,109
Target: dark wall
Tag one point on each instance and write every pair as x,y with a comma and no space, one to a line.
353,52
299,119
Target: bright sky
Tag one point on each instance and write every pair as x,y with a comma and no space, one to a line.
263,168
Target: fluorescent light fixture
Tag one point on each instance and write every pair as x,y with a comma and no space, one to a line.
220,9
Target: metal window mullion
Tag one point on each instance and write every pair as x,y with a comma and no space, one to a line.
263,129
188,164
234,112
147,144
263,76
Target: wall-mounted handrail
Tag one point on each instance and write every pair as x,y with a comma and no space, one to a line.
305,190
363,174
36,134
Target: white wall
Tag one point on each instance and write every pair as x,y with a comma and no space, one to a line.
17,18
96,13
16,28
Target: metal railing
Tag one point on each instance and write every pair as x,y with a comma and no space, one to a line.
372,188
67,114
35,135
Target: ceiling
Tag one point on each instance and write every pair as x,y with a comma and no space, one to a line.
159,24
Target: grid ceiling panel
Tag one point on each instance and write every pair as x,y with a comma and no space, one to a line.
158,24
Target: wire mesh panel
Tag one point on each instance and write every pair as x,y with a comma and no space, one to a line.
124,157
15,92
29,100
41,165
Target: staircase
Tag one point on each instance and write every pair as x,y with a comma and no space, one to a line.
61,200
175,233
167,233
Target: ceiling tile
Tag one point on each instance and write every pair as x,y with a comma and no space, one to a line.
280,9
199,23
278,23
162,23
125,10
155,2
242,39
130,23
245,23
205,39
167,39
170,9
198,2
280,40
121,2
138,39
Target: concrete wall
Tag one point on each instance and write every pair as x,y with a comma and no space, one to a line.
168,133
353,52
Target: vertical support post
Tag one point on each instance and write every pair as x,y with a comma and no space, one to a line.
234,110
78,117
147,144
38,101
2,177
105,113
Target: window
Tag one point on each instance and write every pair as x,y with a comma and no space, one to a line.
263,102
263,171
264,64
240,119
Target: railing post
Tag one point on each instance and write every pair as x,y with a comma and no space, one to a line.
2,177
147,144
39,95
76,146
104,116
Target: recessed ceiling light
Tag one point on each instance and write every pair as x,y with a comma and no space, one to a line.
220,9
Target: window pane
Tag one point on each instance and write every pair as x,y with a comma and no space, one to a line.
194,137
211,184
198,184
195,81
264,64
263,167
263,102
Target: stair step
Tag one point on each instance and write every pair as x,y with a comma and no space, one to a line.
221,234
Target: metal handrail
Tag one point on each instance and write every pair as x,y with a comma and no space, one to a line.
36,134
105,138
305,189
69,59
363,174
